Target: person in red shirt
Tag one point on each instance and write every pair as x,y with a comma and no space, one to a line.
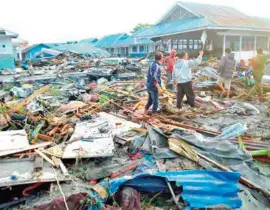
170,61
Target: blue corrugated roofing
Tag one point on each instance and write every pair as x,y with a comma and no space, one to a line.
201,188
89,40
54,44
109,40
130,40
41,45
174,27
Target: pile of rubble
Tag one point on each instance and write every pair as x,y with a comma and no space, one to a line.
79,133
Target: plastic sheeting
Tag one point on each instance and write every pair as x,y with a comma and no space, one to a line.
232,131
22,92
201,188
244,109
157,144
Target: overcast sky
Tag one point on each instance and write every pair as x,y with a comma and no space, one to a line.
63,20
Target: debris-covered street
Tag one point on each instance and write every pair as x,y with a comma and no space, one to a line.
182,125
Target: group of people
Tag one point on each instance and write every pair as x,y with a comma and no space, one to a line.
178,72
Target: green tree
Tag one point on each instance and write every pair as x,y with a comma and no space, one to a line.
140,26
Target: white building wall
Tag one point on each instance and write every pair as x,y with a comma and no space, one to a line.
151,48
243,54
5,46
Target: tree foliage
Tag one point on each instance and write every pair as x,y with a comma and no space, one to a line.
140,26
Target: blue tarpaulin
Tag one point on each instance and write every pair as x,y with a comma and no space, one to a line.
201,188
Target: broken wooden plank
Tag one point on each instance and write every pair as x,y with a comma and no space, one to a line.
63,168
45,138
56,161
45,157
182,148
30,98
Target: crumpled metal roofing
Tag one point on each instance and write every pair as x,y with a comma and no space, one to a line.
109,40
122,40
219,15
82,49
201,188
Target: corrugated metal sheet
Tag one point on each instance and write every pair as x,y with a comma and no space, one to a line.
110,40
201,188
82,49
174,27
89,40
29,48
122,39
129,41
223,16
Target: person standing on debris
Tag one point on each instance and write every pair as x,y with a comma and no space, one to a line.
153,83
226,70
258,64
183,79
170,61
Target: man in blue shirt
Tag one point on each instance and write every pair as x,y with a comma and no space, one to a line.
153,84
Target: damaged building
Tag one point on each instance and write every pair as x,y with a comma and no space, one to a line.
123,44
7,60
182,26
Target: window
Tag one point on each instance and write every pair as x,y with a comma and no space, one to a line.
196,44
190,44
180,44
122,51
233,42
247,43
141,49
184,44
134,49
174,44
262,42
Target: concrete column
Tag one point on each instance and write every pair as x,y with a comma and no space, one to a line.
224,44
255,46
240,50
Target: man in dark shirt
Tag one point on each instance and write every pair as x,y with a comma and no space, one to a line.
153,83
